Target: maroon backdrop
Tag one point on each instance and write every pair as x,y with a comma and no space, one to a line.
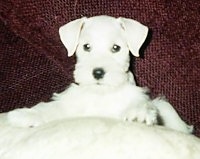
33,62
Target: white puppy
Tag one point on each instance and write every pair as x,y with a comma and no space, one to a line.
104,87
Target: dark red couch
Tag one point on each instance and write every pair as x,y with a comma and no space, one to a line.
34,64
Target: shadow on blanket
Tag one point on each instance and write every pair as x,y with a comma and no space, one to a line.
96,138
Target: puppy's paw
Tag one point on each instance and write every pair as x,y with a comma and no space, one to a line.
24,117
145,114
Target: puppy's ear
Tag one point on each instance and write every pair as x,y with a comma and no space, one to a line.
69,34
135,34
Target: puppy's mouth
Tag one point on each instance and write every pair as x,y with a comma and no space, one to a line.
98,83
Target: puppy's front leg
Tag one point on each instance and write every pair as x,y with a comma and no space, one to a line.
35,116
143,112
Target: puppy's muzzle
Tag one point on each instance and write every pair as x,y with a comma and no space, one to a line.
98,73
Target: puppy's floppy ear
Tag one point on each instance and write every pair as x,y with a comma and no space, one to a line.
135,34
69,34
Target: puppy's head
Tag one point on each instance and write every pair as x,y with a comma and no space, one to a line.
102,45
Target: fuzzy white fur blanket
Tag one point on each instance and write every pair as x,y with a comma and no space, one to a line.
96,138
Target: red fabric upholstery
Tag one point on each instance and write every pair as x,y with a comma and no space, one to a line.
33,62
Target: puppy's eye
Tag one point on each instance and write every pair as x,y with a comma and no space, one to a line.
87,47
115,48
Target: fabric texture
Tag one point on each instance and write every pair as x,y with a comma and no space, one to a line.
34,63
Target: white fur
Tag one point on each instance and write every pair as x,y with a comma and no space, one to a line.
115,95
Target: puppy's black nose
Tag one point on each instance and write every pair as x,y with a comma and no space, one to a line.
98,73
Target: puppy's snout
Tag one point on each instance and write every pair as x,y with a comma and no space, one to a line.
98,73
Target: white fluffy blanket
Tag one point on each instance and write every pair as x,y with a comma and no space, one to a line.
96,138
